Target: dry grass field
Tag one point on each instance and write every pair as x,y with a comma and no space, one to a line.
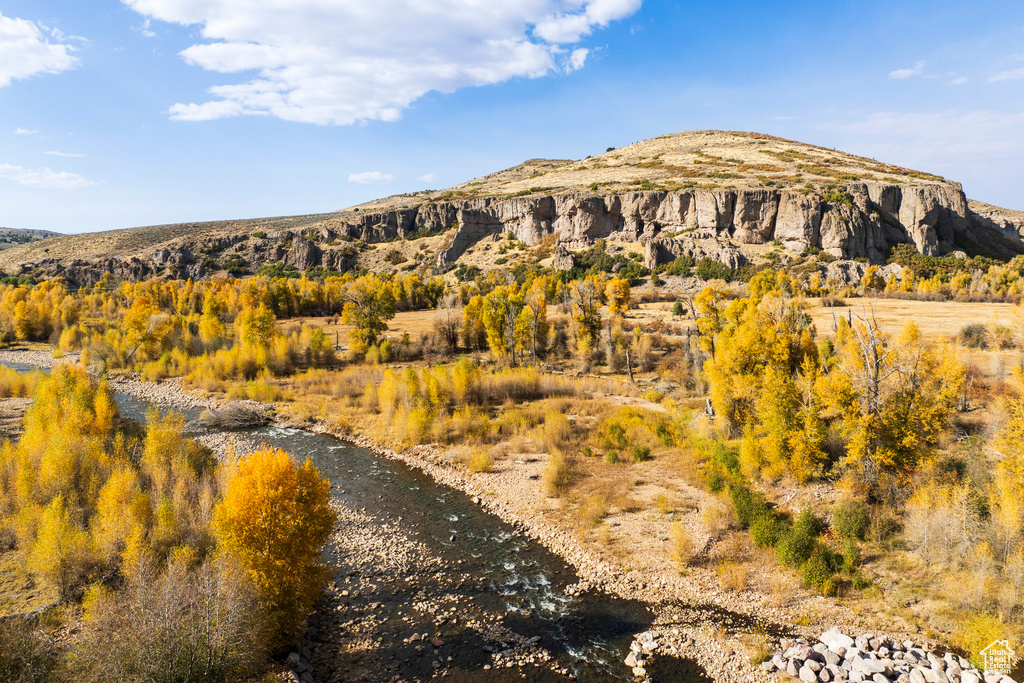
936,319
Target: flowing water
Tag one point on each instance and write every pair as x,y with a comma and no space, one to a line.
494,572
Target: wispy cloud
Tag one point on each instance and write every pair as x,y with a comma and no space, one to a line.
145,30
959,80
25,131
25,51
1010,75
427,178
43,178
371,178
390,54
70,155
903,74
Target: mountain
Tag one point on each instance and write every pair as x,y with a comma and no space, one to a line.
729,196
10,237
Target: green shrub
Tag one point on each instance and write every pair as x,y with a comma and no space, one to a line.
614,435
641,453
851,520
664,434
749,505
611,457
838,197
808,523
708,269
819,567
851,556
716,480
794,548
766,531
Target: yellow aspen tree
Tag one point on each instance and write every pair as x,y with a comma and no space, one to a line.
617,294
112,525
275,518
60,553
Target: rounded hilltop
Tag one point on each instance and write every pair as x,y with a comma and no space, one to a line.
703,159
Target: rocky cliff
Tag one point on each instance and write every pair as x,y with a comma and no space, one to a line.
705,194
859,220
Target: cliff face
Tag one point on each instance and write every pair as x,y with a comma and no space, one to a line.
863,220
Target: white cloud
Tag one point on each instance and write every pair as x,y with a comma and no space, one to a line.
72,155
43,178
371,178
902,74
1011,75
427,178
960,80
342,61
25,131
25,51
145,30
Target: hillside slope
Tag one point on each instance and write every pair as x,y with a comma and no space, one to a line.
703,194
10,237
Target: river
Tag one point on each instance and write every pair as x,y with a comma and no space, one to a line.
473,580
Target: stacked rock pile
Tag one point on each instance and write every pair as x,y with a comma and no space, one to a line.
640,650
838,657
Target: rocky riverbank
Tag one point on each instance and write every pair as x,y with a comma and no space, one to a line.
696,621
690,619
839,657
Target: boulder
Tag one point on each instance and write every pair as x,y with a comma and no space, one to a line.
834,638
808,674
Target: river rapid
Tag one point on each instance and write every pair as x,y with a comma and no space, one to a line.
427,584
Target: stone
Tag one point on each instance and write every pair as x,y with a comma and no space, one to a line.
867,665
808,674
880,678
630,660
835,638
563,259
970,677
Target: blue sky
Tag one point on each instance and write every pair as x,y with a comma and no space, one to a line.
116,113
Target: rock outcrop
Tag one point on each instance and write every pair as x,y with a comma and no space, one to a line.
862,220
838,657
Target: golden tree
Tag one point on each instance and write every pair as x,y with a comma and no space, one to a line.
617,294
275,517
